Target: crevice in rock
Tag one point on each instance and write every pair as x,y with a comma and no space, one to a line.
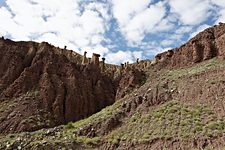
64,104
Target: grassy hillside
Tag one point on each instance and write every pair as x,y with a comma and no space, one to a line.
192,124
171,120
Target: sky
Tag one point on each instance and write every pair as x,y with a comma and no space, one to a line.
119,30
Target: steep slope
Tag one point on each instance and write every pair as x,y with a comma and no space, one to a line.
44,86
206,45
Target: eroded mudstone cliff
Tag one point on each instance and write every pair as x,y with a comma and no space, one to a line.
51,86
205,45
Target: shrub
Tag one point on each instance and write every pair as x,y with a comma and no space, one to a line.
69,125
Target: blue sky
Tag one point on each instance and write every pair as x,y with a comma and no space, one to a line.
120,30
2,2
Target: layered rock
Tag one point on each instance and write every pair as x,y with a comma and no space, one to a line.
68,90
206,45
53,83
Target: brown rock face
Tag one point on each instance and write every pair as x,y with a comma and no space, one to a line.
206,45
67,90
44,86
130,80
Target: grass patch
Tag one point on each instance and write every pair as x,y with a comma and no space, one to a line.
86,140
33,93
98,117
205,66
171,120
69,125
220,126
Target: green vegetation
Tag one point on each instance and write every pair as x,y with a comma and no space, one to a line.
69,125
171,120
98,117
33,93
86,140
67,134
205,66
216,80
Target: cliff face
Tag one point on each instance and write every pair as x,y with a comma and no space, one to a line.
42,86
204,46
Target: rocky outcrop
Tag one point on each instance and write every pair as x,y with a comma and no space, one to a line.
66,89
206,45
130,80
47,79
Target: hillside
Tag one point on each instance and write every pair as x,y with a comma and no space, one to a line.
173,102
45,86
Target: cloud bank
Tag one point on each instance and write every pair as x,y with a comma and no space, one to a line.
120,30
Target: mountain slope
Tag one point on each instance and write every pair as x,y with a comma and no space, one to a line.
173,102
158,115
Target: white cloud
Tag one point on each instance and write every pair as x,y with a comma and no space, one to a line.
123,56
55,39
138,54
167,42
176,37
88,25
220,9
164,25
183,29
99,49
220,3
124,10
9,26
101,8
56,22
221,16
138,19
152,51
119,57
191,12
